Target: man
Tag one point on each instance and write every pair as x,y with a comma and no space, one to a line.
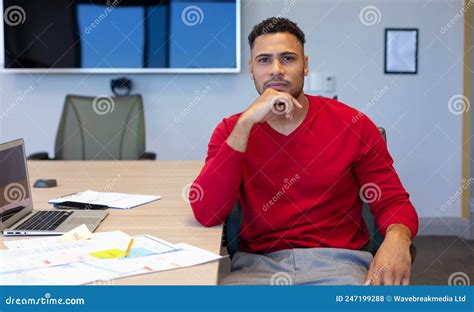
297,163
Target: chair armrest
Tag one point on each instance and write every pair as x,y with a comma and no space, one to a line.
148,156
231,230
39,156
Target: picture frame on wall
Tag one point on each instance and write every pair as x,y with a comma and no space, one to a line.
401,51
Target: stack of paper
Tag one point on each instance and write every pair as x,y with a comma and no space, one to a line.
76,259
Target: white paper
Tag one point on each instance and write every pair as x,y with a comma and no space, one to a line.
104,271
57,254
401,51
81,232
70,274
53,240
17,260
112,200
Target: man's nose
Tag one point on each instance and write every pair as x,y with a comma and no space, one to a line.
277,68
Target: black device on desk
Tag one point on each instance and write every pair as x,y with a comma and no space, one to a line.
77,205
45,183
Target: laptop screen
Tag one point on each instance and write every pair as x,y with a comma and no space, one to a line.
14,189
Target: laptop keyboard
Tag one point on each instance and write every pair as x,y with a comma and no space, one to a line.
44,221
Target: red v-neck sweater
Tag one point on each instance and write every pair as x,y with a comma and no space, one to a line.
306,189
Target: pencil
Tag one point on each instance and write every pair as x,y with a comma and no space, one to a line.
127,252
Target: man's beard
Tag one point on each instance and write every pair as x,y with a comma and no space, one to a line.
294,92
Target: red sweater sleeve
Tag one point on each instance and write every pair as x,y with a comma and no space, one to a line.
380,185
219,179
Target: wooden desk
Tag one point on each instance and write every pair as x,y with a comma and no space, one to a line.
170,218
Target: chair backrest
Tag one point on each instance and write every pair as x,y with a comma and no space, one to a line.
101,128
234,221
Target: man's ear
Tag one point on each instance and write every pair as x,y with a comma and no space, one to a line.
306,65
251,70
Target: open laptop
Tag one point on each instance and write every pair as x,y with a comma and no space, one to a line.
16,205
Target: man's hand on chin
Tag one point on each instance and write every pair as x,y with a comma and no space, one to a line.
392,262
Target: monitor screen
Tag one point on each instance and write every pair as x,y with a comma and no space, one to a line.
122,35
14,188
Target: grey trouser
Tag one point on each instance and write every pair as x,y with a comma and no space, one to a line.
301,266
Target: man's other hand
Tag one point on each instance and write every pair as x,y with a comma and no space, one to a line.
392,262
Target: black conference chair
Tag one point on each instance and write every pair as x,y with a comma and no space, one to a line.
232,224
100,128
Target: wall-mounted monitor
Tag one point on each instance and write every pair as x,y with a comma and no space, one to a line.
122,36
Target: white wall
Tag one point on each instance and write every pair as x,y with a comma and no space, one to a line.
423,136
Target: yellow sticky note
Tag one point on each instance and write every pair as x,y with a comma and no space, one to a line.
109,254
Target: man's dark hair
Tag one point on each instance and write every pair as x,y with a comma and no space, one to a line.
276,25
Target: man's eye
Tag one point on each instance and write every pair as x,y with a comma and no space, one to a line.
263,60
287,59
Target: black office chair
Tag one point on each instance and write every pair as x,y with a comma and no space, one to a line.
100,128
232,224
